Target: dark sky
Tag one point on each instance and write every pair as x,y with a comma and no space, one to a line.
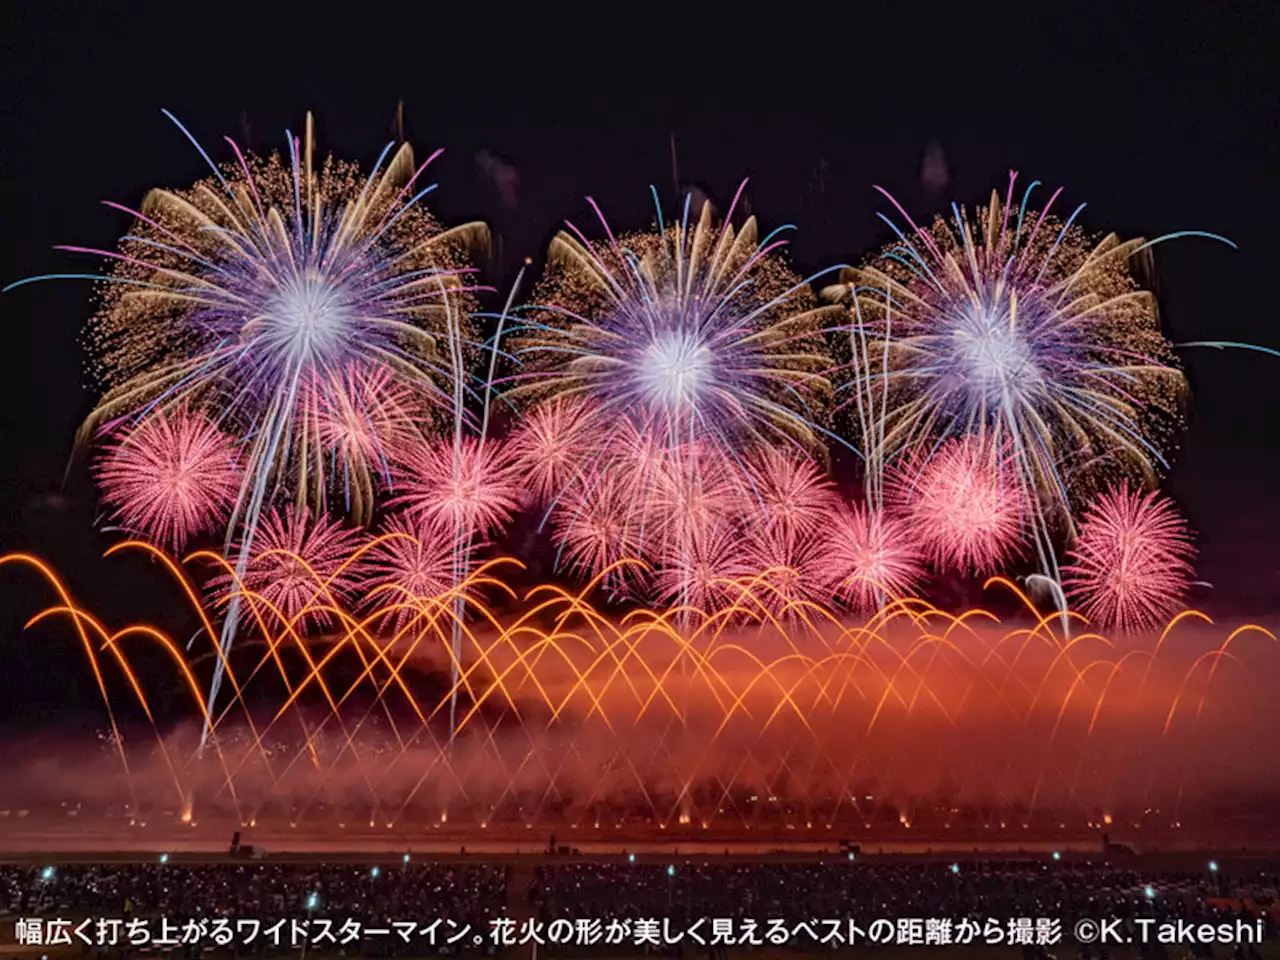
1163,117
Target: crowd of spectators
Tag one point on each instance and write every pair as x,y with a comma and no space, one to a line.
476,893
468,894
803,891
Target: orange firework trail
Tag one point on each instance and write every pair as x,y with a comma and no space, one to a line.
765,710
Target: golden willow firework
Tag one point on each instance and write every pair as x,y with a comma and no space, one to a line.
692,348
280,295
694,332
315,312
1022,329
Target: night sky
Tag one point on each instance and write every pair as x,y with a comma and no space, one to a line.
1160,119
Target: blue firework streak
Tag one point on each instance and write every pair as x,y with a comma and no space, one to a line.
1017,326
254,293
694,332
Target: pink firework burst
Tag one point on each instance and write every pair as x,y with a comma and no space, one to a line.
362,414
794,571
686,492
173,476
708,572
411,563
963,504
469,487
300,567
598,525
1130,567
874,556
554,445
790,491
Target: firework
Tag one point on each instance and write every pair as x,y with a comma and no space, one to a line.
301,568
171,476
1024,328
684,492
248,289
963,505
695,344
811,717
1130,567
875,556
794,572
242,294
596,528
410,564
638,498
557,441
469,485
709,575
691,333
791,491
360,414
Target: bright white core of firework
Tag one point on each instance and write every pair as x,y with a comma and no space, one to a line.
993,359
309,319
674,369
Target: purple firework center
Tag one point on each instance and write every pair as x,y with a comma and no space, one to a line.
993,361
309,322
675,371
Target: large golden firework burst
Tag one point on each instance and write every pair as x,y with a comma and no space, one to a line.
1021,328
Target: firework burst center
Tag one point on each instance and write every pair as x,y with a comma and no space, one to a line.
308,320
676,368
995,360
